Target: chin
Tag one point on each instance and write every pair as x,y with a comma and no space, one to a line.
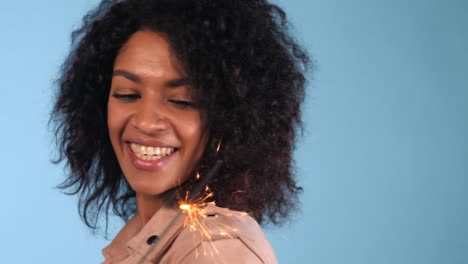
153,188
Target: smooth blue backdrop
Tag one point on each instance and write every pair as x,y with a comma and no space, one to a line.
383,161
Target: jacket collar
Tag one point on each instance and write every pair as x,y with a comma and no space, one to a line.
134,238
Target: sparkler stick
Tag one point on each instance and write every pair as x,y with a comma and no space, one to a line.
205,180
180,216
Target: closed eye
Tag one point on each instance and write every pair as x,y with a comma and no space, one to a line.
126,97
183,104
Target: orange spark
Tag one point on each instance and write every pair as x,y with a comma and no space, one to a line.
219,145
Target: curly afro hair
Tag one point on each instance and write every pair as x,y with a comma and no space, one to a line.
246,69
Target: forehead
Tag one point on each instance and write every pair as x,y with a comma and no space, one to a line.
148,52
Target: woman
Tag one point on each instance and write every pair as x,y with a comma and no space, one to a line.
154,94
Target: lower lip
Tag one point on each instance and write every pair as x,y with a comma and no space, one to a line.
149,165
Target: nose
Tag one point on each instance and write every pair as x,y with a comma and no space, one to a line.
150,118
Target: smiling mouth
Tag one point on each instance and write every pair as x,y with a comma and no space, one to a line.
151,153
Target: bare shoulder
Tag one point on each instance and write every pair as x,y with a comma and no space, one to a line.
220,235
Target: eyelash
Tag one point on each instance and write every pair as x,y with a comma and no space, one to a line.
126,97
133,97
183,104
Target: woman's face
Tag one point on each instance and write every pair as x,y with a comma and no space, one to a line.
157,132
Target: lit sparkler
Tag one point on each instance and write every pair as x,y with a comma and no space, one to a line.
195,207
189,205
196,221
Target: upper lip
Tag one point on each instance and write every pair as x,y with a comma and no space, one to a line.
149,143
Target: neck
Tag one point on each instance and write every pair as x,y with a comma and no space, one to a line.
147,206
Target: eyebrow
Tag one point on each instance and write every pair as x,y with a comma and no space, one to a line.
128,75
184,81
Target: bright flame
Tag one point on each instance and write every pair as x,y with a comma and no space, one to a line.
185,207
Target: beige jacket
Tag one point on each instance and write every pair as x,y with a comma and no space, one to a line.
221,236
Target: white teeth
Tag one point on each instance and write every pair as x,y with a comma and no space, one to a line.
142,149
133,147
150,153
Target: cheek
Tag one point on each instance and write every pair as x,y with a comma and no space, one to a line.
195,135
115,122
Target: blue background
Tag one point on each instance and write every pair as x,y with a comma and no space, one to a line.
383,160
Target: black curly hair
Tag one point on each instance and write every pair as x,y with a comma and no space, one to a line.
248,73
